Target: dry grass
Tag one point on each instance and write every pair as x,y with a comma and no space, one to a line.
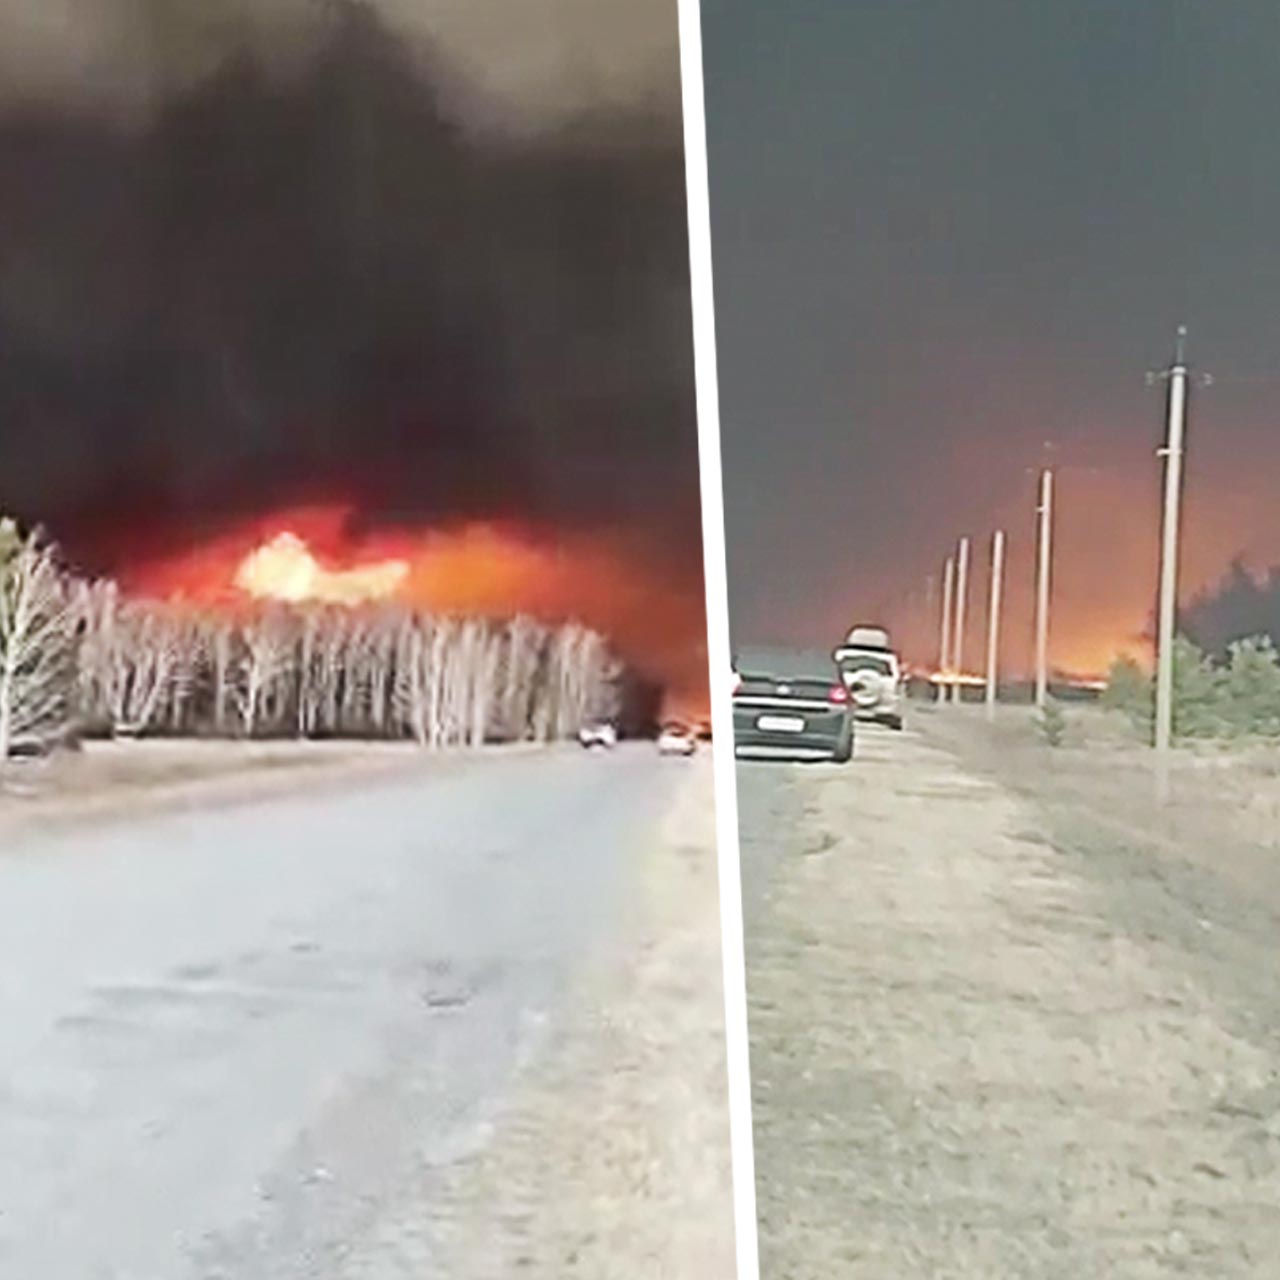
110,780
994,1035
614,1163
1225,813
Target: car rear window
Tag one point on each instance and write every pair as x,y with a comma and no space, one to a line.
867,662
785,664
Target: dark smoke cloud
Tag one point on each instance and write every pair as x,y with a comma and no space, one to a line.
535,61
1241,606
307,278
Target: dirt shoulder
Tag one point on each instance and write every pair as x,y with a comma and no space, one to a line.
109,781
977,1054
613,1161
1197,881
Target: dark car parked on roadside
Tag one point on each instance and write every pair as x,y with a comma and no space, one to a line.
790,705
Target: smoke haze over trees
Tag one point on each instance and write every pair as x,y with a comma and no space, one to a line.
1241,605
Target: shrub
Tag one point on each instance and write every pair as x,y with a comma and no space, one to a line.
1052,722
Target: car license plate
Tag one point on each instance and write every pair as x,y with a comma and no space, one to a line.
781,724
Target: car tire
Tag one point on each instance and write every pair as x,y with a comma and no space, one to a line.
844,749
895,723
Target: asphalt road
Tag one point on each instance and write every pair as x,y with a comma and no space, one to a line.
247,1042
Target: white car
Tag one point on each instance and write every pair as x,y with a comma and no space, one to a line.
598,735
873,675
676,739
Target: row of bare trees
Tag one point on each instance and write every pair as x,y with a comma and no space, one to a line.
77,656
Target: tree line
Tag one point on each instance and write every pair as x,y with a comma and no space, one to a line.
1236,694
78,658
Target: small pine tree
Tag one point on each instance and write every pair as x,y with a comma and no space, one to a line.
1198,692
1131,691
1251,687
1052,723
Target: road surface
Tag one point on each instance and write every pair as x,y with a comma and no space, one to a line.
986,1045
252,1042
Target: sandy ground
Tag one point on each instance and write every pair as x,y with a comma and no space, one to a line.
614,1162
1006,1020
412,1026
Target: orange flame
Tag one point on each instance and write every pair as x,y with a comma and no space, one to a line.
285,569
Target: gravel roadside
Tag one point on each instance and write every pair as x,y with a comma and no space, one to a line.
967,1062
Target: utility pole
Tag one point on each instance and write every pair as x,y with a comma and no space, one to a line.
944,656
1044,560
1176,375
993,621
962,595
925,619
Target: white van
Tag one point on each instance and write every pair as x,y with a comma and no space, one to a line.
873,675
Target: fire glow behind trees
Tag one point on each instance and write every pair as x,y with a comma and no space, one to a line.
304,259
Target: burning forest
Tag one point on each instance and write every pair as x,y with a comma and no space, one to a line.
78,658
317,355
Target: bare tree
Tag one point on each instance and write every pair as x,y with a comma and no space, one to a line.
330,657
310,674
600,673
264,662
98,671
414,680
521,656
561,712
220,649
483,659
37,647
149,649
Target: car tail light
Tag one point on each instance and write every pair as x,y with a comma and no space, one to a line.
838,694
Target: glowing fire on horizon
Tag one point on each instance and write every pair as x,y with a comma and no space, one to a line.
285,569
970,680
320,554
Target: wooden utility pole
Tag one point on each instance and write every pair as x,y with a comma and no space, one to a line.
962,596
1172,453
993,621
1044,561
944,655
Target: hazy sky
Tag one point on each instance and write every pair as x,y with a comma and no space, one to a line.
948,231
